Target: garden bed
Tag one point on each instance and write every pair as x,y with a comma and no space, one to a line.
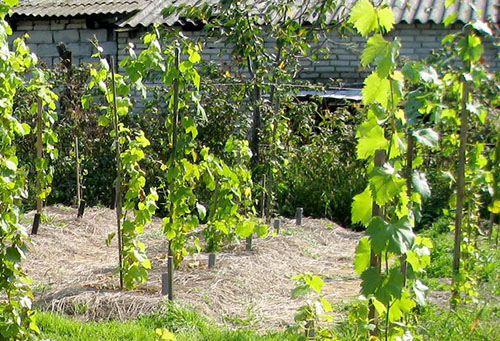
74,272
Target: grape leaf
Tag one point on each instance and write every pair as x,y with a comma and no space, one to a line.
362,207
426,136
372,279
386,19
362,258
382,52
419,181
395,237
385,184
369,143
364,17
376,89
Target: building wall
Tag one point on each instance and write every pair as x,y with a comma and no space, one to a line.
44,35
418,40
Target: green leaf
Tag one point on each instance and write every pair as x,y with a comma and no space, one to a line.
385,184
194,56
362,258
373,139
427,137
300,291
316,283
372,279
362,207
245,228
419,181
395,237
110,238
382,52
13,254
376,89
386,19
364,17
448,3
11,3
202,211
420,289
103,120
327,306
450,19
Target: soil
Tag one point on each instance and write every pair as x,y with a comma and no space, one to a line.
74,272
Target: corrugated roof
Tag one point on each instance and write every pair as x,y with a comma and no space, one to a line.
72,8
149,11
412,11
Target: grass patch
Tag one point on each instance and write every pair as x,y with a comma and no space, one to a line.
186,324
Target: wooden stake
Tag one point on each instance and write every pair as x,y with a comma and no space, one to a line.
81,209
170,275
460,187
375,259
277,224
118,184
298,216
263,198
78,186
39,155
409,170
248,245
164,283
211,260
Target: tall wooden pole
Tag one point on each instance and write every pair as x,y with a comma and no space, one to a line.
460,186
375,259
118,184
175,120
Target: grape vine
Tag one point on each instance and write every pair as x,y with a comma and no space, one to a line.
386,207
129,145
17,320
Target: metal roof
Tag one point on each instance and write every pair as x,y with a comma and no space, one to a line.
352,94
149,11
73,8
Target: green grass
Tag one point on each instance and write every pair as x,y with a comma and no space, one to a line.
186,324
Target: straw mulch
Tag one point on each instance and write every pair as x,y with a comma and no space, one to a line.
73,271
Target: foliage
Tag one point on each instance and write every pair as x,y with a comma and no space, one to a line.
134,262
17,321
45,98
186,165
461,96
308,317
185,323
95,156
320,171
390,257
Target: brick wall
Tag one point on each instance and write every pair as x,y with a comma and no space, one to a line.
46,34
417,42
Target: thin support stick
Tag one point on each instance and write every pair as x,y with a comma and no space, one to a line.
39,155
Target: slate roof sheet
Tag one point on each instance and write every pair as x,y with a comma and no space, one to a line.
412,11
73,8
149,11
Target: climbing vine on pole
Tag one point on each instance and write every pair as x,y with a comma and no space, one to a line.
136,207
384,206
17,320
